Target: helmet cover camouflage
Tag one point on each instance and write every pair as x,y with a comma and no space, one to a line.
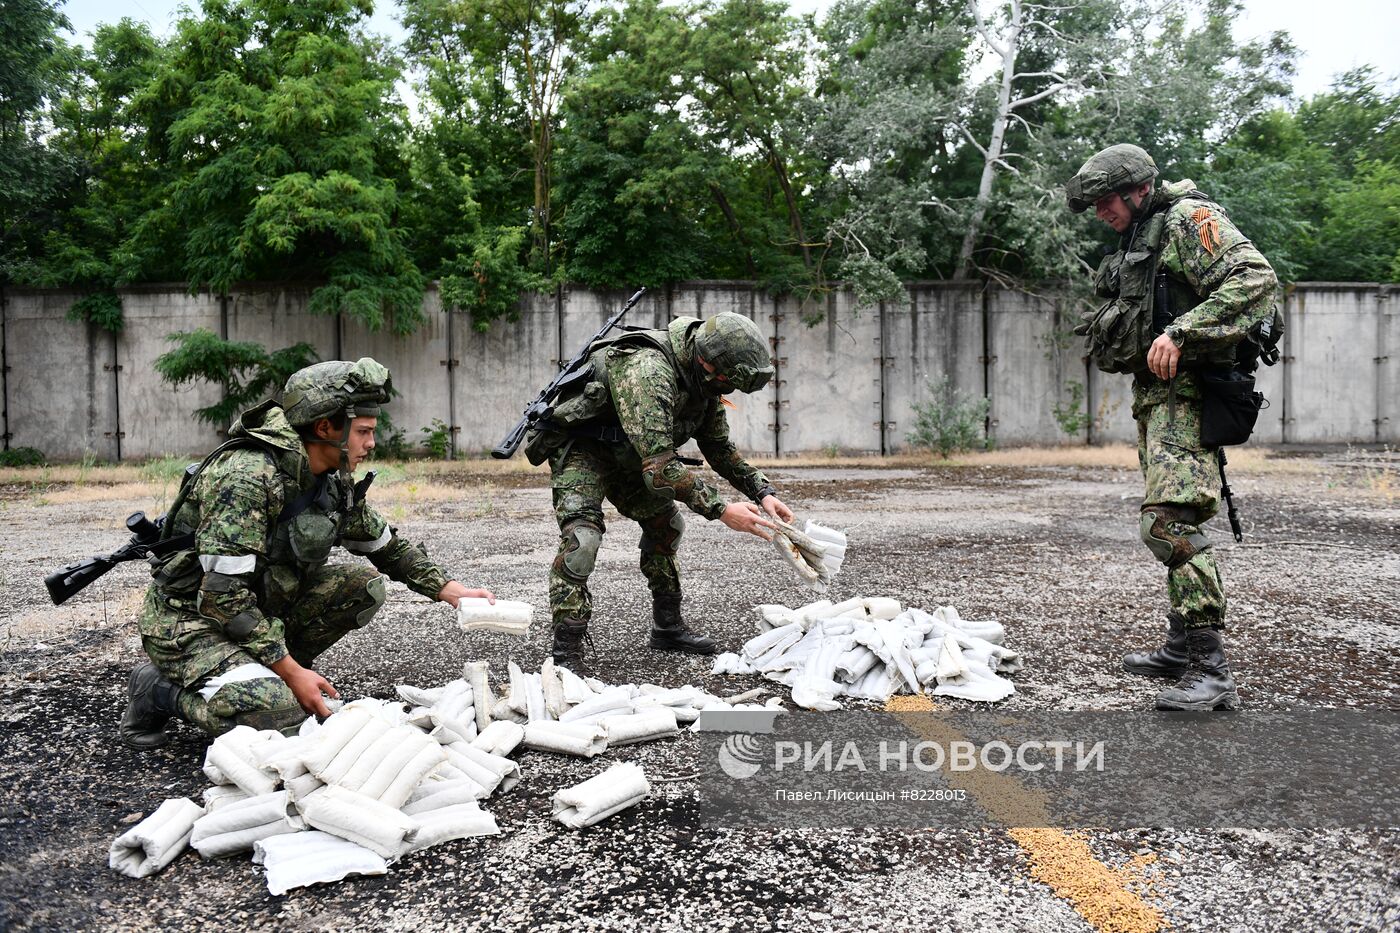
735,347
1114,169
325,389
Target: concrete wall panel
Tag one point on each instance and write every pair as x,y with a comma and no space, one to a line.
831,391
1331,339
61,387
1029,370
1109,401
500,371
277,317
937,334
850,382
1388,375
418,364
156,419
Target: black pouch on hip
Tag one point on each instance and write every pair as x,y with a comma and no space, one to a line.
1229,407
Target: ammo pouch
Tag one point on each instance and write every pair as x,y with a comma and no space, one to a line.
1118,332
1229,406
178,575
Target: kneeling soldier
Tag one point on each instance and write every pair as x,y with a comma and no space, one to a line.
233,623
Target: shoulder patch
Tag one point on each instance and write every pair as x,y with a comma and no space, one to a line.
1207,229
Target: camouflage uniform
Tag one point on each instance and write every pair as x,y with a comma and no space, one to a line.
645,401
255,587
1233,288
1185,271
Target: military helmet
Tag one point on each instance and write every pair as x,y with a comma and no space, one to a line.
323,390
1114,169
735,347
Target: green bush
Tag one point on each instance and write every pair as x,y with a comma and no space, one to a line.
21,457
950,420
438,439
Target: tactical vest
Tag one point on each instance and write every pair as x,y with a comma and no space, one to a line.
584,406
1119,332
308,527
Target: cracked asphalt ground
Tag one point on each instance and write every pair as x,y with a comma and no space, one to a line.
1043,541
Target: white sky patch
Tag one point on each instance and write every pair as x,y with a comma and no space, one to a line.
1332,37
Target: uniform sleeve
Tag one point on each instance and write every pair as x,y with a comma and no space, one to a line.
721,454
367,533
240,498
1237,282
644,393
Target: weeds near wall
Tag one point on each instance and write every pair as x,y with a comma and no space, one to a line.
1073,417
21,457
950,420
437,437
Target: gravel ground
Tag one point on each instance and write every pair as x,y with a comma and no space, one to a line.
1050,551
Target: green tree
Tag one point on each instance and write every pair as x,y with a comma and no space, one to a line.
281,119
750,60
33,61
247,372
115,177
634,175
891,74
495,73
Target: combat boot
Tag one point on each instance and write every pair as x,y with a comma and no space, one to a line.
569,636
1166,661
668,631
1207,684
151,702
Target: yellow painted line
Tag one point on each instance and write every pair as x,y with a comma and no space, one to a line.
1062,861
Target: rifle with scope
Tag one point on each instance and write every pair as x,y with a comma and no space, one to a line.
66,582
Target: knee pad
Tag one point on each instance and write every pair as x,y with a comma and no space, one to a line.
374,596
579,550
1172,533
264,703
662,534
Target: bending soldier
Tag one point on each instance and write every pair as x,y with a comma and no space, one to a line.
614,434
233,624
1187,294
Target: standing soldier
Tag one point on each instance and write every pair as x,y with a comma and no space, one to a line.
614,435
233,621
1187,294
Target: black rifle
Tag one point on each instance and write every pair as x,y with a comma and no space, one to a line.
1228,496
145,541
543,405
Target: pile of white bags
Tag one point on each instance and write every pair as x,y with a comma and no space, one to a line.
871,649
378,780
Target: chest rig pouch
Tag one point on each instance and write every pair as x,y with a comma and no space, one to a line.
1118,332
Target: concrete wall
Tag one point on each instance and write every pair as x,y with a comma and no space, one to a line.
846,379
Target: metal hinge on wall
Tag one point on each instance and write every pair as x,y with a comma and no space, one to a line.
450,364
111,367
117,434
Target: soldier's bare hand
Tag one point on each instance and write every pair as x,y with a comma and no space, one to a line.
745,516
455,591
1163,357
306,685
775,507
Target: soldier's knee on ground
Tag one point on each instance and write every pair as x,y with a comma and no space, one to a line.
578,550
1172,533
662,534
263,703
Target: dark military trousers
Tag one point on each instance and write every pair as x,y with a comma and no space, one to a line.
191,650
1180,471
582,474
